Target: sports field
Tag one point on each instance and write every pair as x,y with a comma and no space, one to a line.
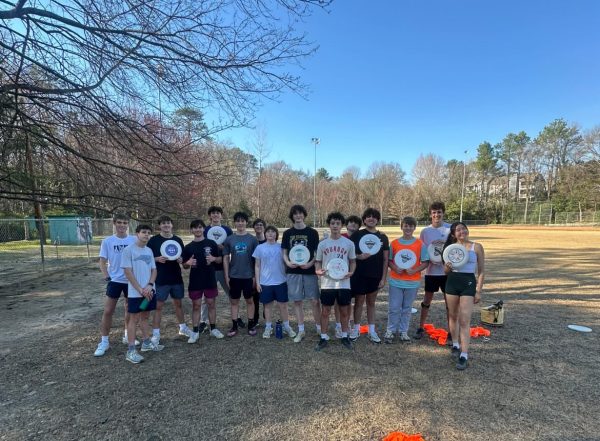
534,379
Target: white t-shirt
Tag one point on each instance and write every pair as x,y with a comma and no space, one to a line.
141,262
272,267
436,236
328,249
111,249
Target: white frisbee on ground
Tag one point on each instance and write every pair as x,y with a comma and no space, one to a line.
369,243
299,254
579,328
405,259
337,268
170,249
413,310
457,255
435,253
218,234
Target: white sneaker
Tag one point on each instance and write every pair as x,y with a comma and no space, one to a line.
155,339
267,333
354,334
374,337
185,332
338,333
299,337
404,336
134,357
289,331
126,342
101,349
216,333
388,337
152,347
194,337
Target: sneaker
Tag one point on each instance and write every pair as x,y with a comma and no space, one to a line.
232,332
455,352
185,332
338,333
268,332
101,349
419,333
134,357
388,338
322,344
126,342
354,334
374,337
462,364
347,343
194,337
216,333
241,323
404,336
252,331
289,331
299,337
201,327
155,339
152,347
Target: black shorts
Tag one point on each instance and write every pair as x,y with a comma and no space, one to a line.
133,305
361,286
330,296
239,286
461,284
115,289
435,283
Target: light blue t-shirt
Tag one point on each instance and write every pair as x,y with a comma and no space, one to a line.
141,262
272,267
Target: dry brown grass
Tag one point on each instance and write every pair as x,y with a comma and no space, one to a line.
533,380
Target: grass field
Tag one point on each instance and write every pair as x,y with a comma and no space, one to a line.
532,380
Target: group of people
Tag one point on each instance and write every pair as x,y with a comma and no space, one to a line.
336,269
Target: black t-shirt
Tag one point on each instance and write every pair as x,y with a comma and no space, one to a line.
202,276
373,266
229,231
309,237
168,273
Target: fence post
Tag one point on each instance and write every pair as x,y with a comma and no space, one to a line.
42,234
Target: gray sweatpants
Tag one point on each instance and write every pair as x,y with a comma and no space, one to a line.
399,308
220,276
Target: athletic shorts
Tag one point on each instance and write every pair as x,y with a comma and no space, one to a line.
274,292
133,304
115,289
302,287
239,286
208,293
163,292
435,283
361,286
342,296
461,284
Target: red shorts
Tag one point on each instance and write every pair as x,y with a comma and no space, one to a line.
209,293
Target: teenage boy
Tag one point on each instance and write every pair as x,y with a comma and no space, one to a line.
169,281
335,289
111,250
353,224
301,279
259,226
238,267
435,278
371,274
139,267
199,256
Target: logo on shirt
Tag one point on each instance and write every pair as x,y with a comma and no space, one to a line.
144,258
119,248
240,248
336,251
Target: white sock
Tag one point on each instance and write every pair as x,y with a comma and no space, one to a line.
371,329
465,355
456,345
357,328
344,334
105,338
338,326
318,329
286,324
182,326
156,332
301,327
268,325
324,336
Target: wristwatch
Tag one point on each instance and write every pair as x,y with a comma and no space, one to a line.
107,279
151,284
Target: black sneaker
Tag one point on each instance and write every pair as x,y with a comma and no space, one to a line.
201,327
241,323
455,352
322,344
462,364
419,334
347,343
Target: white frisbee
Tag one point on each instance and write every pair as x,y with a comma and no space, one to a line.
579,328
413,310
299,255
369,243
435,253
337,268
170,249
457,255
218,234
405,259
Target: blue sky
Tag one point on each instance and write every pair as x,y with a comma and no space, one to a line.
394,79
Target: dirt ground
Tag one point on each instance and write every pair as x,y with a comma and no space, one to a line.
534,379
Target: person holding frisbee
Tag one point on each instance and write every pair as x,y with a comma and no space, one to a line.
238,268
353,224
301,277
271,281
139,266
463,290
434,237
404,279
335,263
169,281
259,232
371,272
200,257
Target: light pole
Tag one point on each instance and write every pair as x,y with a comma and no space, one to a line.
315,141
462,191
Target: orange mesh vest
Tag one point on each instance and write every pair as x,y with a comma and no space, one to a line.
415,247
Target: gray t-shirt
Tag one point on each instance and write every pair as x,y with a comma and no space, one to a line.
329,249
436,236
240,249
141,262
